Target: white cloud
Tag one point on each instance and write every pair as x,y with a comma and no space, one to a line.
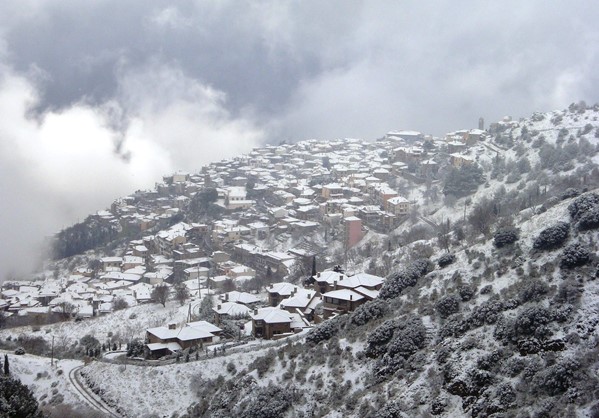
62,166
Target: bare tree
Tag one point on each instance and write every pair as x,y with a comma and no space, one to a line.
66,309
444,235
160,294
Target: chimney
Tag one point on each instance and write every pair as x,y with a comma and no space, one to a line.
272,285
308,296
341,277
218,307
351,297
226,297
318,275
335,284
255,311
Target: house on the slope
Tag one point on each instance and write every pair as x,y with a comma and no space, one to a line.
272,323
341,301
303,302
161,341
244,298
279,291
399,206
327,280
230,310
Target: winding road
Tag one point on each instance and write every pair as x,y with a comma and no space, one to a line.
89,397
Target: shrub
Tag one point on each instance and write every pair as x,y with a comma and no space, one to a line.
390,410
582,205
552,237
533,321
324,331
20,351
570,193
119,304
486,314
533,290
448,305
574,255
445,260
376,343
408,277
505,237
466,293
409,337
556,379
590,220
269,402
367,312
136,349
263,363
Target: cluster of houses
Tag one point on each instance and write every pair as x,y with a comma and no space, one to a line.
280,206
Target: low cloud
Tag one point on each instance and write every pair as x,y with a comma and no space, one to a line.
59,166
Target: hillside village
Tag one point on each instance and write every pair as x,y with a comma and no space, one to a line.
282,243
280,208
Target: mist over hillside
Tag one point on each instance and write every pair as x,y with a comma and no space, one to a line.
442,276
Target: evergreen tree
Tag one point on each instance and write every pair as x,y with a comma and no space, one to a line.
6,367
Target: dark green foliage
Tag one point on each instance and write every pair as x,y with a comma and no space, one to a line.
558,378
463,181
83,236
6,365
408,277
400,338
263,363
270,402
570,193
574,255
466,293
390,410
367,312
409,337
324,331
445,260
16,400
376,344
590,220
533,321
505,237
582,205
533,290
552,237
135,349
448,305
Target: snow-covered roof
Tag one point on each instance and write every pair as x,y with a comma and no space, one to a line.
343,294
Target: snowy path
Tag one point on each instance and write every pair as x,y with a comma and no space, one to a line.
86,395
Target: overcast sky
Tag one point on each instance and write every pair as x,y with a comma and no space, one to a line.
100,98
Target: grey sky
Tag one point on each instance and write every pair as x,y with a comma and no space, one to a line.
178,84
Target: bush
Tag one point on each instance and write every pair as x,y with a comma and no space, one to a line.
16,399
119,304
367,312
20,351
466,293
505,237
552,237
448,305
574,255
408,277
486,314
377,341
409,337
556,379
445,260
136,349
582,205
533,290
590,220
533,321
269,402
324,331
263,363
390,410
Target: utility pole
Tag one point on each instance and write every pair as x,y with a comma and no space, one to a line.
52,353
